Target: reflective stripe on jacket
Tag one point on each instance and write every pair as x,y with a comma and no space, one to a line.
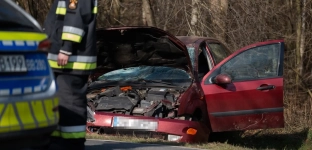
70,132
72,32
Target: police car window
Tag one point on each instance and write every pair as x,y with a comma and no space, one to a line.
12,19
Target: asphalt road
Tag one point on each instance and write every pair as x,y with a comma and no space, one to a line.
116,145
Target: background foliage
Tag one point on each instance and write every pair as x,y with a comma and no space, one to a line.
237,23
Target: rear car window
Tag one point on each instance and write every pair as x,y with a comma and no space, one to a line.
11,19
219,52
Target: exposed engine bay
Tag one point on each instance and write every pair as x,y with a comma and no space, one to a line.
151,102
144,53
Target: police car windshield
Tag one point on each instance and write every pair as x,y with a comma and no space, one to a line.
13,19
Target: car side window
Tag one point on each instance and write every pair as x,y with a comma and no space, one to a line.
218,51
255,63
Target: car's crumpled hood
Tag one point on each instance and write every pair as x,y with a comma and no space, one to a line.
124,47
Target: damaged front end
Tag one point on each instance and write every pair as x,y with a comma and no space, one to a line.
143,97
141,78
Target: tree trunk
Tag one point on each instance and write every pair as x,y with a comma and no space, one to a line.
194,18
115,12
302,36
24,5
147,14
219,9
298,39
166,14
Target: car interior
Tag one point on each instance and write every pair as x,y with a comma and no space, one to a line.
203,63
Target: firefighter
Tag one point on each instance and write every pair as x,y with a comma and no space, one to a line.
71,25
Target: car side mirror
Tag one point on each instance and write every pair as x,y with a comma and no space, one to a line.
222,79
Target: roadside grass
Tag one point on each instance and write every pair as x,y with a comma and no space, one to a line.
278,139
133,139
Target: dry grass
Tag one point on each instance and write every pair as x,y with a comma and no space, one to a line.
253,139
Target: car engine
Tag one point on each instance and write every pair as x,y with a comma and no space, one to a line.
151,102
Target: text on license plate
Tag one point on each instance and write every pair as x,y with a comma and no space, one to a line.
129,123
12,63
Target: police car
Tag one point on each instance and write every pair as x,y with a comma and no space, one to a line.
28,105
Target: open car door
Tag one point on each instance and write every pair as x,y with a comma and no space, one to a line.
245,90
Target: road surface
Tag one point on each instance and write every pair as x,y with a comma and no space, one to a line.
117,145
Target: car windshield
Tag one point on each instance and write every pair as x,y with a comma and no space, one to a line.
191,52
13,19
171,75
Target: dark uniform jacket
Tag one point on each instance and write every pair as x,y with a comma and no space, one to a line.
72,32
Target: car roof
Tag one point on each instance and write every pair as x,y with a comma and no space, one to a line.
24,13
187,40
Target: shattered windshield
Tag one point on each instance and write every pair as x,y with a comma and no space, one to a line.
161,73
191,52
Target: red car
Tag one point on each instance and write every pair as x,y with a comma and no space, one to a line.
183,88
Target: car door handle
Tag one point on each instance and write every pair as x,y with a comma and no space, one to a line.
267,87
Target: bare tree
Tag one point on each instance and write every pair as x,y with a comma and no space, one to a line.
219,8
147,13
235,22
194,18
301,33
115,12
167,7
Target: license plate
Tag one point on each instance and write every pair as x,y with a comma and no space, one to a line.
137,124
12,63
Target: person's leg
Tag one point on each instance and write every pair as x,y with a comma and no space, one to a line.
73,111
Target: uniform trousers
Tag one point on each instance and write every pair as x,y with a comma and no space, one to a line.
71,131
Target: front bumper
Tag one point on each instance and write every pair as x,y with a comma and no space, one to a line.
28,138
36,122
29,116
174,130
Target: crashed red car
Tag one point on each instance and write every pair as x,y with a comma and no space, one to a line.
183,88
